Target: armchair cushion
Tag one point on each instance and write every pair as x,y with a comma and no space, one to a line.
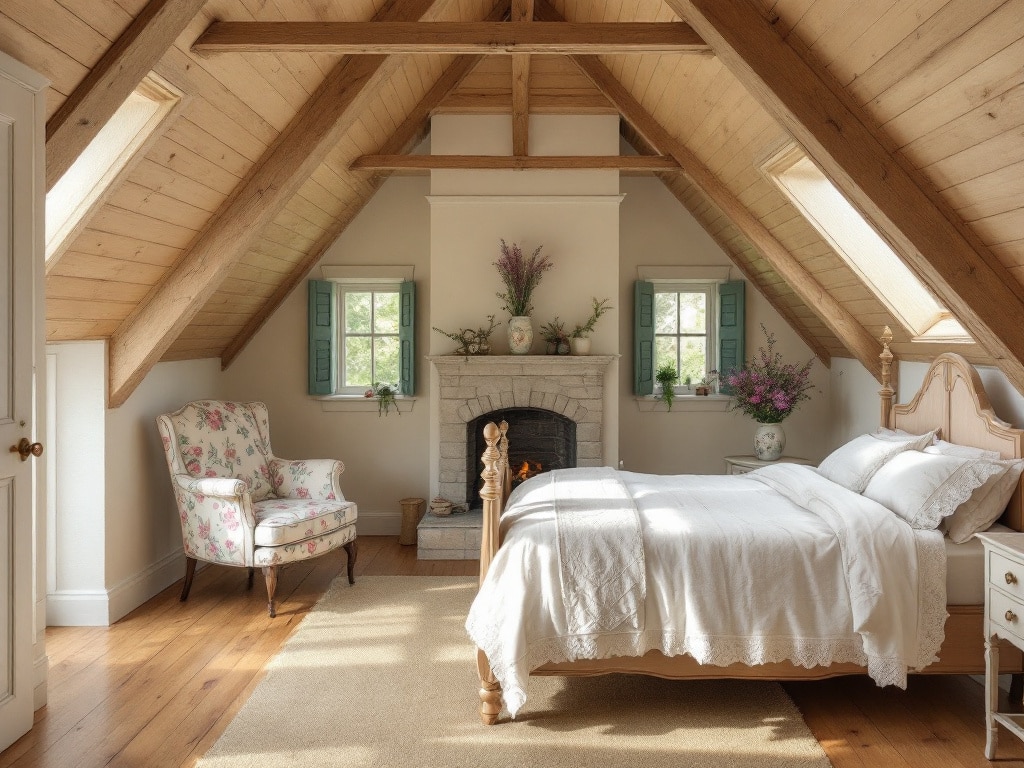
307,479
285,521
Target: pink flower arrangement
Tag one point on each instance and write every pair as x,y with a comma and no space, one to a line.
520,275
767,389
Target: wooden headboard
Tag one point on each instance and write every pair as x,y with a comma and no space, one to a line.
952,399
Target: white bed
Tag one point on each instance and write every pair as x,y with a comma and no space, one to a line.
525,621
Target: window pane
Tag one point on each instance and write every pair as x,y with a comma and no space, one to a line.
385,313
666,351
693,312
666,315
693,359
357,313
385,359
357,361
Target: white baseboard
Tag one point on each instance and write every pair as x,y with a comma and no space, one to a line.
379,523
101,608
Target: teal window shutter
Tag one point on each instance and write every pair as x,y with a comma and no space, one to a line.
643,338
321,337
731,330
407,338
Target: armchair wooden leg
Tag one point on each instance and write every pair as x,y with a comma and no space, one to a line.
252,572
352,551
190,572
270,574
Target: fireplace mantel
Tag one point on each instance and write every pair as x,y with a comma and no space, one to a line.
570,385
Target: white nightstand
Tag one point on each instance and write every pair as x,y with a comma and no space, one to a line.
1004,620
740,465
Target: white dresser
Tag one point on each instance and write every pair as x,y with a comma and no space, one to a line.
1004,620
740,465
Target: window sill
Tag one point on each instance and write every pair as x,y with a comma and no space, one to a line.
330,403
708,403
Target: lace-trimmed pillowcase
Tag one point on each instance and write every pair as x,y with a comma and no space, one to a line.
924,488
852,465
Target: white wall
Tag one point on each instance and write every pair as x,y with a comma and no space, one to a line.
655,230
385,457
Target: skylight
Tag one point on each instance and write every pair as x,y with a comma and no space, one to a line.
80,190
867,254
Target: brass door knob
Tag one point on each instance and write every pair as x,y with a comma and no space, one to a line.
1010,615
1010,578
25,449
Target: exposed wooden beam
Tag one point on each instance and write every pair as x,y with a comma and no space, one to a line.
540,103
412,130
846,143
522,11
314,131
77,121
836,317
483,37
517,163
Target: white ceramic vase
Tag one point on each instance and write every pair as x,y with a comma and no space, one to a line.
580,346
769,441
520,335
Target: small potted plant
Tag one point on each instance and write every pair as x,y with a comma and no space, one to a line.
556,337
688,381
667,377
581,333
707,383
385,394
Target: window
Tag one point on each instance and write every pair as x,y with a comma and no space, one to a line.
361,333
866,253
696,325
81,188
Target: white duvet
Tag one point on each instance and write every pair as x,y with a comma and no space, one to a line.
778,564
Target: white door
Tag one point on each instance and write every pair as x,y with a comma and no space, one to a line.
20,238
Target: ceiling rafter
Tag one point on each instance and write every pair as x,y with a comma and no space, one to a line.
861,344
632,163
118,72
412,130
841,137
462,37
144,336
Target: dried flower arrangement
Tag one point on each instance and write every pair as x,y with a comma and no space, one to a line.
521,276
472,341
599,308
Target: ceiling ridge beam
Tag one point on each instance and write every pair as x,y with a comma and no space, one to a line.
836,317
412,130
148,332
842,138
462,37
648,163
118,72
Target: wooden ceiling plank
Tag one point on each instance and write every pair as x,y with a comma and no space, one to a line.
409,133
460,37
521,163
112,80
150,330
841,322
843,140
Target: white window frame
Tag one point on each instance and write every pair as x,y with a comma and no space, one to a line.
341,337
710,289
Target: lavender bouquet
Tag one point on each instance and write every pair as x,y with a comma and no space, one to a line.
520,275
767,389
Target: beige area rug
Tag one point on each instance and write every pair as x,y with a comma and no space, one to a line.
383,674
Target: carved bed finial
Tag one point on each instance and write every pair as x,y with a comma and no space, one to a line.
886,393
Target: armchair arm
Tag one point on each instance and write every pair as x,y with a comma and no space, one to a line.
307,479
217,520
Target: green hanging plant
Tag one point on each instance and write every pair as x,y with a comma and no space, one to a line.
385,394
667,377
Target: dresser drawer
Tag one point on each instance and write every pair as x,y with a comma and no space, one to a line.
1006,573
1008,614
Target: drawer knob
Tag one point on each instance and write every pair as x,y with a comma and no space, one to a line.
1010,615
1010,578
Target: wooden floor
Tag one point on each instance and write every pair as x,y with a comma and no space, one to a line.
159,687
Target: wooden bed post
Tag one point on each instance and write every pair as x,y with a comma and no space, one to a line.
491,493
886,392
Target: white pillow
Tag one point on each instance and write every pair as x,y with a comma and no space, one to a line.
852,465
923,488
986,504
964,451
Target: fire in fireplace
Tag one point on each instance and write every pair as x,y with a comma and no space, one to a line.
539,440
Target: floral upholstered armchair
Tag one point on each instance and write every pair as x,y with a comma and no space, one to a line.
239,504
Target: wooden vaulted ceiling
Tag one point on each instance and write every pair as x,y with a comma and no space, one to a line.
914,108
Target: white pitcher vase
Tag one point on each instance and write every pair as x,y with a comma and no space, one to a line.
520,335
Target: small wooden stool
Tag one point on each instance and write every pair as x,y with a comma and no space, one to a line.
412,512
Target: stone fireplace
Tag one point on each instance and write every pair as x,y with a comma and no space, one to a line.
471,387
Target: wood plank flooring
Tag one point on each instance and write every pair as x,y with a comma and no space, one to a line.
159,687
